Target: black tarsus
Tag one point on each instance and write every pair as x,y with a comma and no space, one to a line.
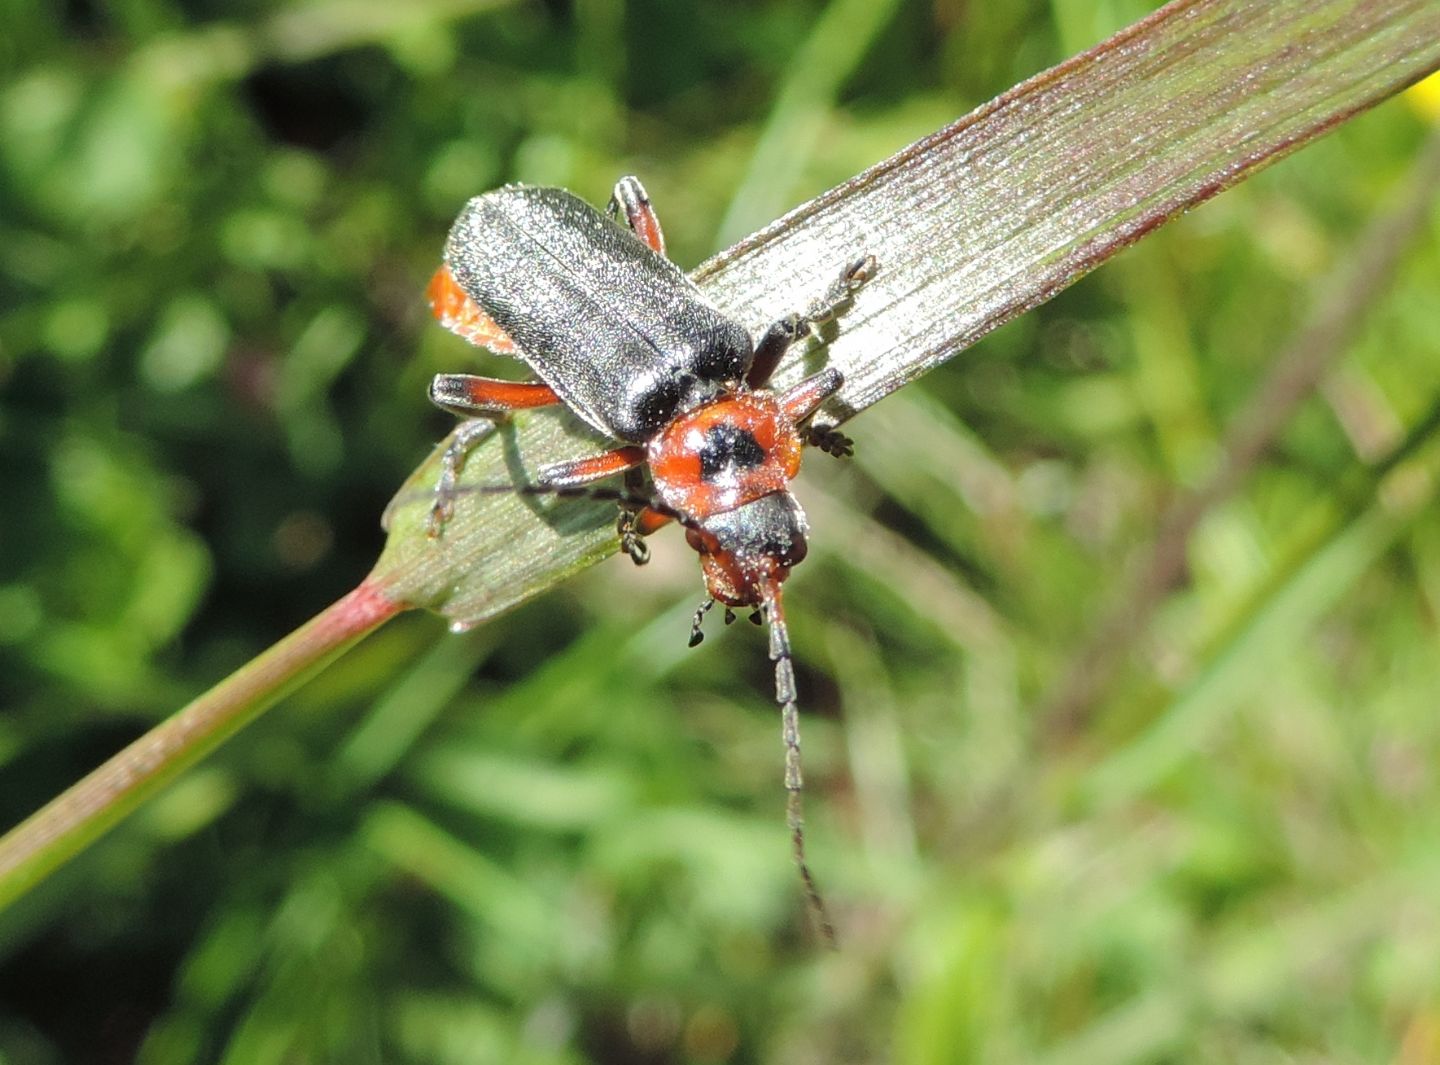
632,543
829,439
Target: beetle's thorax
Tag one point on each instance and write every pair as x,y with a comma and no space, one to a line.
727,465
725,454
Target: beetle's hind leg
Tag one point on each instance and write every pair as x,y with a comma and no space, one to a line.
631,200
482,401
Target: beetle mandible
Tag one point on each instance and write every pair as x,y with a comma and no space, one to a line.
618,334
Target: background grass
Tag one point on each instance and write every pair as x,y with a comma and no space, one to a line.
560,838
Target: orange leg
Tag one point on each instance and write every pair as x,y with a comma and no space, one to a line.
484,397
631,199
561,476
799,401
460,314
592,467
480,400
637,521
648,521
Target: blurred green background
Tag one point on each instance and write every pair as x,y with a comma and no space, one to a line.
560,839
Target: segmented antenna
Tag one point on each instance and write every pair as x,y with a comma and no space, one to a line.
785,694
699,619
790,730
580,491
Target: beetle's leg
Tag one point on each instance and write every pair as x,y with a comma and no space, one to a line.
591,468
776,340
632,540
460,314
595,467
563,478
829,439
467,435
801,400
637,521
650,520
485,397
631,200
482,400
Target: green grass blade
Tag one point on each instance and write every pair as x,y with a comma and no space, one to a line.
87,810
973,225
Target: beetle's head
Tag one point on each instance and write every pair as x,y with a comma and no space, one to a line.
743,550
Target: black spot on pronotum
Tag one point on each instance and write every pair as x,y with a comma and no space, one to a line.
728,447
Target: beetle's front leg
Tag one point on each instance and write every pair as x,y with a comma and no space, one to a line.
829,439
637,521
783,332
801,400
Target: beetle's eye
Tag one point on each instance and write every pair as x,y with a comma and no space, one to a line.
792,551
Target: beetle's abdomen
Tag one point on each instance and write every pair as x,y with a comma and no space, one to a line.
615,328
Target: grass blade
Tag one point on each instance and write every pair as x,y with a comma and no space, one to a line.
973,225
87,810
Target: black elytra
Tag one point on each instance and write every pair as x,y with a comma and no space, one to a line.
616,329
